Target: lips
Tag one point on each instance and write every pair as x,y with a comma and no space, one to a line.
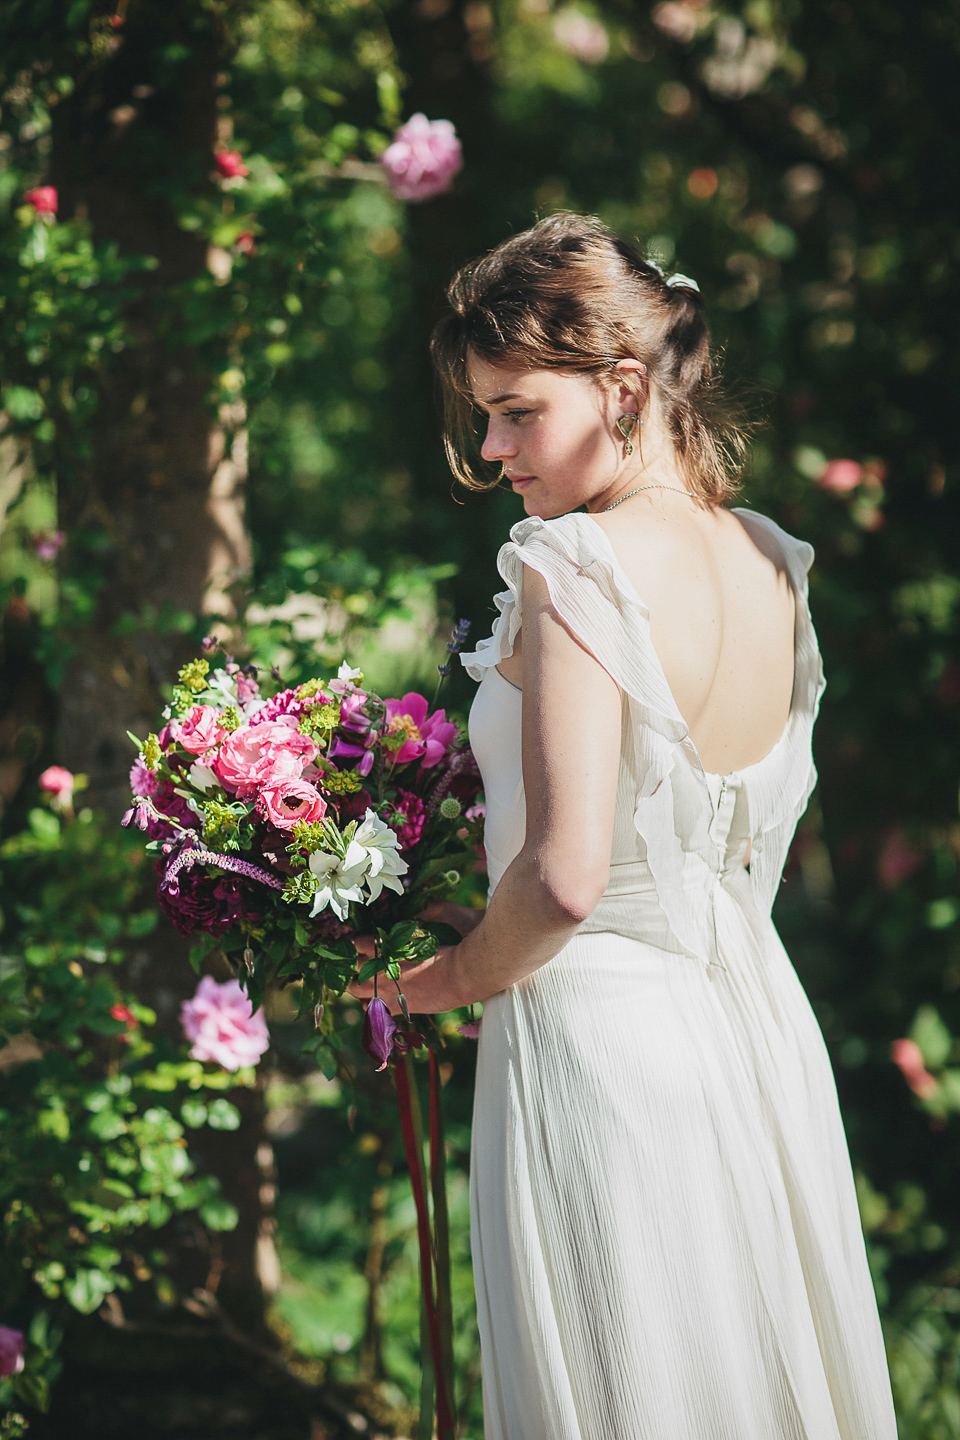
520,480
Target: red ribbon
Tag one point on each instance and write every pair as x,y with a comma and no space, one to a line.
445,1421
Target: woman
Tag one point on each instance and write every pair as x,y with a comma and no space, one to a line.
665,1232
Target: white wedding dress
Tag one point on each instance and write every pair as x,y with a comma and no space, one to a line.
666,1242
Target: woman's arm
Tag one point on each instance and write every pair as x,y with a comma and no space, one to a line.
571,758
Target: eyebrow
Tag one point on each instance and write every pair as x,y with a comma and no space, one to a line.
499,399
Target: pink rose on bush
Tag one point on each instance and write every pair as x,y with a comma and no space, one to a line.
43,199
58,783
581,36
223,1026
230,164
200,730
46,545
423,159
284,802
426,738
250,757
841,476
908,1058
11,1350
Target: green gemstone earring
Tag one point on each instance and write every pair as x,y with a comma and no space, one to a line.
626,424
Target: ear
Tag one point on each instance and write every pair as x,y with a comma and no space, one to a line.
629,386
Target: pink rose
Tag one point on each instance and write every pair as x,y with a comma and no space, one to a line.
43,199
58,783
841,476
223,1026
201,730
908,1058
256,754
284,802
12,1344
423,159
427,737
230,164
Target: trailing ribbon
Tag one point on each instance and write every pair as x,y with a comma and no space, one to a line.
436,1314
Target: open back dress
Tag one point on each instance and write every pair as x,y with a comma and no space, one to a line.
665,1234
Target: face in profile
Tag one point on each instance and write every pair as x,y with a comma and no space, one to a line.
552,431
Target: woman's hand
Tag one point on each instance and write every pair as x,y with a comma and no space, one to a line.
426,987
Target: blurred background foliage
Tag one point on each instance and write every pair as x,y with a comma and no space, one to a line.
801,161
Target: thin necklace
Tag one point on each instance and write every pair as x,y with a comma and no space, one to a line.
629,493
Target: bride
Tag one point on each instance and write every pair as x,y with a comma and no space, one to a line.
665,1234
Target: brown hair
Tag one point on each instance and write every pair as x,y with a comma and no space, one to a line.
569,295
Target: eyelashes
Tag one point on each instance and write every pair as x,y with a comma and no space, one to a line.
515,416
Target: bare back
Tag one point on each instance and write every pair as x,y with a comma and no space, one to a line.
722,610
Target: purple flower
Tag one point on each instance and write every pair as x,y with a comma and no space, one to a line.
223,1025
379,1029
12,1344
470,1029
46,546
423,159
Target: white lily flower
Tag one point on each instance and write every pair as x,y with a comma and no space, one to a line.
339,884
201,777
347,672
375,846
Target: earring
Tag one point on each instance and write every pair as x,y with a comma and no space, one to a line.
626,424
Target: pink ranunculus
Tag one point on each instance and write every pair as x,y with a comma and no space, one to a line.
58,784
46,545
582,36
427,737
898,859
254,754
43,199
284,802
841,476
142,780
908,1058
12,1344
223,1026
230,164
200,730
423,159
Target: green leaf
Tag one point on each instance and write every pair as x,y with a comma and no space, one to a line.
87,1288
934,1039
223,1116
218,1213
193,1113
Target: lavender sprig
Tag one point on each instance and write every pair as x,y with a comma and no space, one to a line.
454,645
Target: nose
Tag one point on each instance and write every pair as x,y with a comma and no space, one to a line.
498,443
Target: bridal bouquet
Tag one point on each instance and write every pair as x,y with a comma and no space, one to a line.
287,826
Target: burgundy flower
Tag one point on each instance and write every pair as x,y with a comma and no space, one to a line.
406,816
379,1028
200,902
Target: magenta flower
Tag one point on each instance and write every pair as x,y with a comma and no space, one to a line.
43,199
200,730
230,164
142,780
46,545
223,1025
12,1344
58,783
379,1030
423,159
285,801
426,737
